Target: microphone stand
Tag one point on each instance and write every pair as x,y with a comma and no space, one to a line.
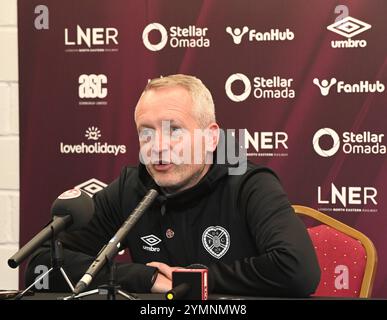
109,251
112,289
56,265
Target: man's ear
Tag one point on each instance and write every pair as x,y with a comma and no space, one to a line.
212,137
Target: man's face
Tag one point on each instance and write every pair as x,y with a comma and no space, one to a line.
166,126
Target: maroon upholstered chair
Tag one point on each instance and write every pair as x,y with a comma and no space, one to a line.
347,257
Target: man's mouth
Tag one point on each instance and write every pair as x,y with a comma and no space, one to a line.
162,165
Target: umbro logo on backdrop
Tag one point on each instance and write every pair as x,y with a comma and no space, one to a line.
348,28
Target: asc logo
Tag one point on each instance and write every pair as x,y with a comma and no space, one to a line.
92,86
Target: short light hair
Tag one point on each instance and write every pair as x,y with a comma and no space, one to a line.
204,110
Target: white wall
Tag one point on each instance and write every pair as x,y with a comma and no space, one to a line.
9,143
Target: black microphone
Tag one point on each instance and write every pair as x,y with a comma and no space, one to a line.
109,251
178,292
72,210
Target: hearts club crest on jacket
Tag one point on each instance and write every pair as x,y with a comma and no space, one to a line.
216,240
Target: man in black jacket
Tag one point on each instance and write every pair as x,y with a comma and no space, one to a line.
234,219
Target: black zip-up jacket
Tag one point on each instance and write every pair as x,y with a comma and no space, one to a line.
242,227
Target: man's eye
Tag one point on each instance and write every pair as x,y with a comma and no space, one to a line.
146,132
176,129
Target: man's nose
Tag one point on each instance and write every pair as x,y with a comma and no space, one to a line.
161,143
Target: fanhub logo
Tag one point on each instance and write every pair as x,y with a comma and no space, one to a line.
237,33
178,37
271,35
266,144
91,39
347,198
275,87
348,27
92,133
324,85
342,87
352,143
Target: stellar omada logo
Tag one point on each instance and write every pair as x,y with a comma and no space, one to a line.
189,36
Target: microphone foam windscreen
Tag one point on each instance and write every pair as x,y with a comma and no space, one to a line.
75,203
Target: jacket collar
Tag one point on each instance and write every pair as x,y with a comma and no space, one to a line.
187,196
